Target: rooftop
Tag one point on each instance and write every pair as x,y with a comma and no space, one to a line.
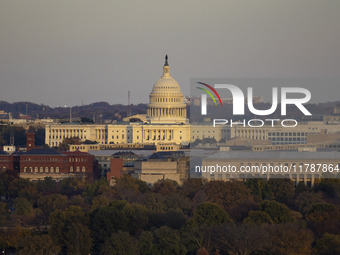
43,152
3,152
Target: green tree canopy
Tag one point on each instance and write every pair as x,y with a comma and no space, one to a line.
258,218
37,245
69,230
328,244
279,213
120,243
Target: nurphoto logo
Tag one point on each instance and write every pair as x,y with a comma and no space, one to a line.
239,101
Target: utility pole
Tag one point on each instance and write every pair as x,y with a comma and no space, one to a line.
26,113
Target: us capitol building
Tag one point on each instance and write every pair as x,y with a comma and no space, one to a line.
165,122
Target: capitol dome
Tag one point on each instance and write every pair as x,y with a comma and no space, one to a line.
166,83
166,100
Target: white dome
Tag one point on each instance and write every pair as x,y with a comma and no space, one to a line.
166,100
165,84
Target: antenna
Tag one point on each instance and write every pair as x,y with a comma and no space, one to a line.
26,112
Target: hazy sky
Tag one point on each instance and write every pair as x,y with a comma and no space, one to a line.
64,52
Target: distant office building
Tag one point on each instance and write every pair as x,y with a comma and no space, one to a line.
161,166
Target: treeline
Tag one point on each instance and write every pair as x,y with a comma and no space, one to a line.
252,217
99,111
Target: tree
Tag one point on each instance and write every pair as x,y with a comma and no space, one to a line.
37,245
242,239
210,214
22,206
167,241
331,187
19,134
258,218
120,243
136,216
9,238
22,187
323,218
2,141
165,187
86,120
233,196
93,188
47,186
282,188
99,202
126,182
328,245
205,216
176,201
69,230
154,202
65,144
190,187
145,243
78,239
306,200
259,188
106,220
72,186
3,212
49,203
39,134
290,239
279,213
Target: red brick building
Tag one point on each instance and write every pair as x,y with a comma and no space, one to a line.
36,164
7,162
116,169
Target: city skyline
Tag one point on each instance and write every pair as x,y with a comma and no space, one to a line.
84,52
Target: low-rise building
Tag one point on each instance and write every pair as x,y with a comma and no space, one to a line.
37,164
8,162
162,166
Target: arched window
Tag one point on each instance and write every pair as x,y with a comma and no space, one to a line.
78,169
31,169
83,169
52,169
25,169
57,169
41,169
71,169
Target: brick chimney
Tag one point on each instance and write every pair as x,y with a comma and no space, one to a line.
30,141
